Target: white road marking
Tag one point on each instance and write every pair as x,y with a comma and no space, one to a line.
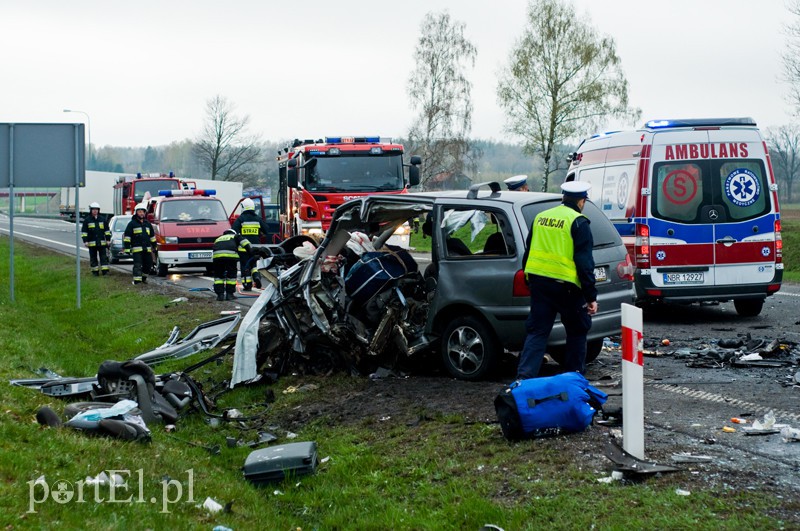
68,246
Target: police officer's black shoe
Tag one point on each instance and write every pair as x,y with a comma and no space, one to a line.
220,297
231,296
247,287
96,273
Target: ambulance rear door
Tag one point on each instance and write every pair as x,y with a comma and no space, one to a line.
681,232
742,211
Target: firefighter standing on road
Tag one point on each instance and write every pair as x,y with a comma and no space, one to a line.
96,236
559,266
140,241
252,227
226,256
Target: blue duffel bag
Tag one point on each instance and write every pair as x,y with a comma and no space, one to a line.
545,406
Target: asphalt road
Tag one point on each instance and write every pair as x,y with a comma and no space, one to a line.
685,407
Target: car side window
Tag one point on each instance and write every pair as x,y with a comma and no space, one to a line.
476,233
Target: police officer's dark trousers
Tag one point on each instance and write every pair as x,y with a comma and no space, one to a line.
548,298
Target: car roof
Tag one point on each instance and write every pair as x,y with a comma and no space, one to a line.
507,196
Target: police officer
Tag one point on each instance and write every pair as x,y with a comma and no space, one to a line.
250,226
560,271
140,240
96,236
226,255
517,183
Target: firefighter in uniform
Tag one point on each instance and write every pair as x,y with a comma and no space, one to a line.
96,236
226,256
140,241
559,267
252,227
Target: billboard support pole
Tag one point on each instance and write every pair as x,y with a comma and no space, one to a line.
77,220
11,205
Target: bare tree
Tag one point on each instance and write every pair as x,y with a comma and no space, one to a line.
441,93
224,146
784,146
791,56
562,80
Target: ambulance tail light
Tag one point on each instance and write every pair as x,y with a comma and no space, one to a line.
626,269
642,246
520,288
778,242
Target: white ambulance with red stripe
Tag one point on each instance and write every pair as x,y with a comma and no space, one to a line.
696,203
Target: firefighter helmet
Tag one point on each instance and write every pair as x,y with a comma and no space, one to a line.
94,205
141,206
248,204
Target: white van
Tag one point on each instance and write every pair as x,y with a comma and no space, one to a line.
696,204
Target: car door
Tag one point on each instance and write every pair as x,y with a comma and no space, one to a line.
476,257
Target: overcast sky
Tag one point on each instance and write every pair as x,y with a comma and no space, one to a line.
144,70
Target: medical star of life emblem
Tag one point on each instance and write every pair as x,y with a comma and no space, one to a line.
765,251
660,255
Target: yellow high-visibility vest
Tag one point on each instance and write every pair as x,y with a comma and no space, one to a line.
551,252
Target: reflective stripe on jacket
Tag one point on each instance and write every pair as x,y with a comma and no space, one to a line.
227,246
139,236
551,250
95,231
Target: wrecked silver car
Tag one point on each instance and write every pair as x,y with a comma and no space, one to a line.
358,303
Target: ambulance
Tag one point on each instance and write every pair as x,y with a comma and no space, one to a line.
696,204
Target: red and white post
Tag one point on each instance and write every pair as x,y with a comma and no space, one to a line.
632,381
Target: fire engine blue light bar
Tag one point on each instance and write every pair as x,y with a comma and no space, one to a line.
698,122
352,139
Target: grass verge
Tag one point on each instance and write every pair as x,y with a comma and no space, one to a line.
443,473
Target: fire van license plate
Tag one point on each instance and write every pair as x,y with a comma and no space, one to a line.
683,278
600,274
199,256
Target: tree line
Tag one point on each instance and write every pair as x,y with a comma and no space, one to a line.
562,80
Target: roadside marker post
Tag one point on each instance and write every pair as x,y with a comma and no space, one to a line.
632,381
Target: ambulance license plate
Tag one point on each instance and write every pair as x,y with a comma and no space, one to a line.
683,278
600,274
200,256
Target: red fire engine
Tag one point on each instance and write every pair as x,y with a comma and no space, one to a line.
316,176
129,191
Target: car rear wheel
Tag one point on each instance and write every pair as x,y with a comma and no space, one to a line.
469,349
748,307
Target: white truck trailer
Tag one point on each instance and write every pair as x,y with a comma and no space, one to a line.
98,186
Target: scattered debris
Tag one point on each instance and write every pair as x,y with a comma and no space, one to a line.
691,458
728,429
627,463
616,475
790,434
737,420
212,505
681,492
103,479
275,463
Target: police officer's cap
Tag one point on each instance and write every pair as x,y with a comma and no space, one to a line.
576,189
517,181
